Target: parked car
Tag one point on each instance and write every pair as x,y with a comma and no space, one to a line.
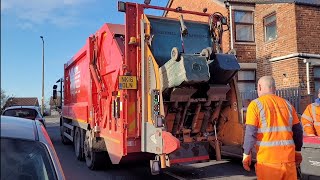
28,112
27,152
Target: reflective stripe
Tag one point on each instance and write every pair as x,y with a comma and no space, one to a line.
316,104
316,123
275,129
307,125
313,107
275,143
262,113
307,117
290,113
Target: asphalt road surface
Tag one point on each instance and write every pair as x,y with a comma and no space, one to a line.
77,170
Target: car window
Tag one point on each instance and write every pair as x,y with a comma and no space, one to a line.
39,115
22,112
27,160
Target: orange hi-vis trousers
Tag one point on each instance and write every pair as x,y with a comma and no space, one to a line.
277,171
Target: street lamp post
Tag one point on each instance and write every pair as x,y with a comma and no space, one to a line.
42,100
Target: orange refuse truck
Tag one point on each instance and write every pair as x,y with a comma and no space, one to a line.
154,86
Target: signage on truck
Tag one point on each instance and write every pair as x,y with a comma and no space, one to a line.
127,82
75,80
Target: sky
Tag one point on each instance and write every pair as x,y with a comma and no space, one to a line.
65,26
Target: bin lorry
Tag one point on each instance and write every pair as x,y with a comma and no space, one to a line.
155,86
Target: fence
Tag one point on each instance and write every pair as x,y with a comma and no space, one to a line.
293,95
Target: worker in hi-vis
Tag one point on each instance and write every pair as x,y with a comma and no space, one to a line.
273,127
311,118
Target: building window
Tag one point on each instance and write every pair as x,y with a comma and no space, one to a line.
244,26
246,80
316,71
270,27
247,84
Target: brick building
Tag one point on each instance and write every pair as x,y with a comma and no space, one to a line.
279,38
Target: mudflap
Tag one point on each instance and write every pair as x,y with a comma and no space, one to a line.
192,152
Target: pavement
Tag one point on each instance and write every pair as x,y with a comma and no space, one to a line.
77,170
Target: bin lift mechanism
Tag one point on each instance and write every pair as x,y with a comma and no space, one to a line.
216,22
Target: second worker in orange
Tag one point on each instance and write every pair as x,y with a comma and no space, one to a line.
311,118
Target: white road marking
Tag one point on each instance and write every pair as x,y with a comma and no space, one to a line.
175,176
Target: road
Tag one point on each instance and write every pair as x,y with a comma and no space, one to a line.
77,170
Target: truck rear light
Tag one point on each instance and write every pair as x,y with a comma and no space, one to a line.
155,95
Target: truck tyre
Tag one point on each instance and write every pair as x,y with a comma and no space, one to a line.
78,144
64,139
94,160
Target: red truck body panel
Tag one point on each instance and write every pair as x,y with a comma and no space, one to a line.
76,86
82,101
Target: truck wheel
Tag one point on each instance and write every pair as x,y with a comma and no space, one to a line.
64,139
94,160
78,144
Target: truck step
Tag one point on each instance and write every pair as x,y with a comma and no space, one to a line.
68,126
68,136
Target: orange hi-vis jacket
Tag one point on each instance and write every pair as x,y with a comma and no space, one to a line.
311,119
274,118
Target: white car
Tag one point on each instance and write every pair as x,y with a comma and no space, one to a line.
28,112
27,152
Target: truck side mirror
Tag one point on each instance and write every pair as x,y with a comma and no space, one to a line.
54,94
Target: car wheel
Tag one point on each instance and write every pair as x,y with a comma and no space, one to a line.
94,160
78,144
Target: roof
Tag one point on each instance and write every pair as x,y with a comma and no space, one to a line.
14,127
304,2
22,101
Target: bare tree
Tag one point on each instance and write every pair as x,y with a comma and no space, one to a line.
4,98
